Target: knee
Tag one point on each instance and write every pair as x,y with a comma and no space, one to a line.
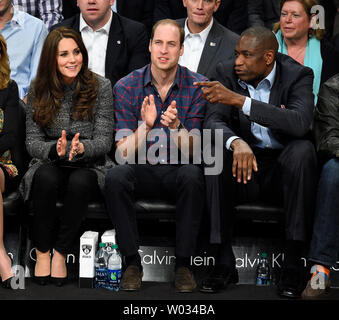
80,180
46,177
120,176
190,174
301,154
330,172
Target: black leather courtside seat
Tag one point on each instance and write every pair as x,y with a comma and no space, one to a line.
12,203
147,209
259,212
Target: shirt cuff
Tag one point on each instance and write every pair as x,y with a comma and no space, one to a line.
229,141
246,108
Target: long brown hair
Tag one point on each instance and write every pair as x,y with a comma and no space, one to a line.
307,5
49,87
5,70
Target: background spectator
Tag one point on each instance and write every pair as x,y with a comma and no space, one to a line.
49,11
24,35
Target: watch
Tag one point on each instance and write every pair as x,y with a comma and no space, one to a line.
180,126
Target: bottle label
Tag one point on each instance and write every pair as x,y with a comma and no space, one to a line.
263,281
100,277
114,279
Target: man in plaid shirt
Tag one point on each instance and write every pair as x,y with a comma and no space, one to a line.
49,11
155,105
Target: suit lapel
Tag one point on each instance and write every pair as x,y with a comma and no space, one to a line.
119,6
276,88
115,45
245,122
210,49
76,25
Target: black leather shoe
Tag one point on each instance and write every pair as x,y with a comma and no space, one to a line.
219,280
59,282
291,282
42,281
7,283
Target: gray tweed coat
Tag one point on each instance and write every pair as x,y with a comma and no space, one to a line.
96,135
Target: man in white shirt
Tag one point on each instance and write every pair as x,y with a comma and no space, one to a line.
207,42
116,45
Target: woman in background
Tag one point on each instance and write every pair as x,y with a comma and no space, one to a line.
301,39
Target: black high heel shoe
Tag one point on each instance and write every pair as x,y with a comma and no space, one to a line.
7,283
41,280
59,282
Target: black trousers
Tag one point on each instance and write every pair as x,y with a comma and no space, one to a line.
184,184
288,177
59,229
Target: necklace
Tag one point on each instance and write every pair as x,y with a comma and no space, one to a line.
298,54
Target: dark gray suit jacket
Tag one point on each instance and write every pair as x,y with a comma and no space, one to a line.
219,46
288,113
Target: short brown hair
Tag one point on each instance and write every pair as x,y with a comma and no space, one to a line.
172,22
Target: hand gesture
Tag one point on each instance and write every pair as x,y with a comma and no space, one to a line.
62,144
244,161
215,92
170,117
76,147
149,111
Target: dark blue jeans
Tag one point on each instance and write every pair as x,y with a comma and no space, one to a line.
325,240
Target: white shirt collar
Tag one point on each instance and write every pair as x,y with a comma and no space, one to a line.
18,18
203,34
83,24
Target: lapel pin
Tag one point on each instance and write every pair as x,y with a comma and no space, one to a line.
212,44
118,42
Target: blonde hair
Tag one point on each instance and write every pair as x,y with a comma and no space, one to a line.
307,5
5,70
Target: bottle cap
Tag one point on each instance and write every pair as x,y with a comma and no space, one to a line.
264,255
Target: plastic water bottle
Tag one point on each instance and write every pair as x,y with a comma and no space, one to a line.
100,264
114,269
263,271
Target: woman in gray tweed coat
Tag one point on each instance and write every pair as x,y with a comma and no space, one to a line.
69,130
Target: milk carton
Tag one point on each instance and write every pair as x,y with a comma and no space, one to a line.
108,238
88,248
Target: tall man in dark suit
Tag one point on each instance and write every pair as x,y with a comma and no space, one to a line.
206,41
116,45
264,107
232,14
